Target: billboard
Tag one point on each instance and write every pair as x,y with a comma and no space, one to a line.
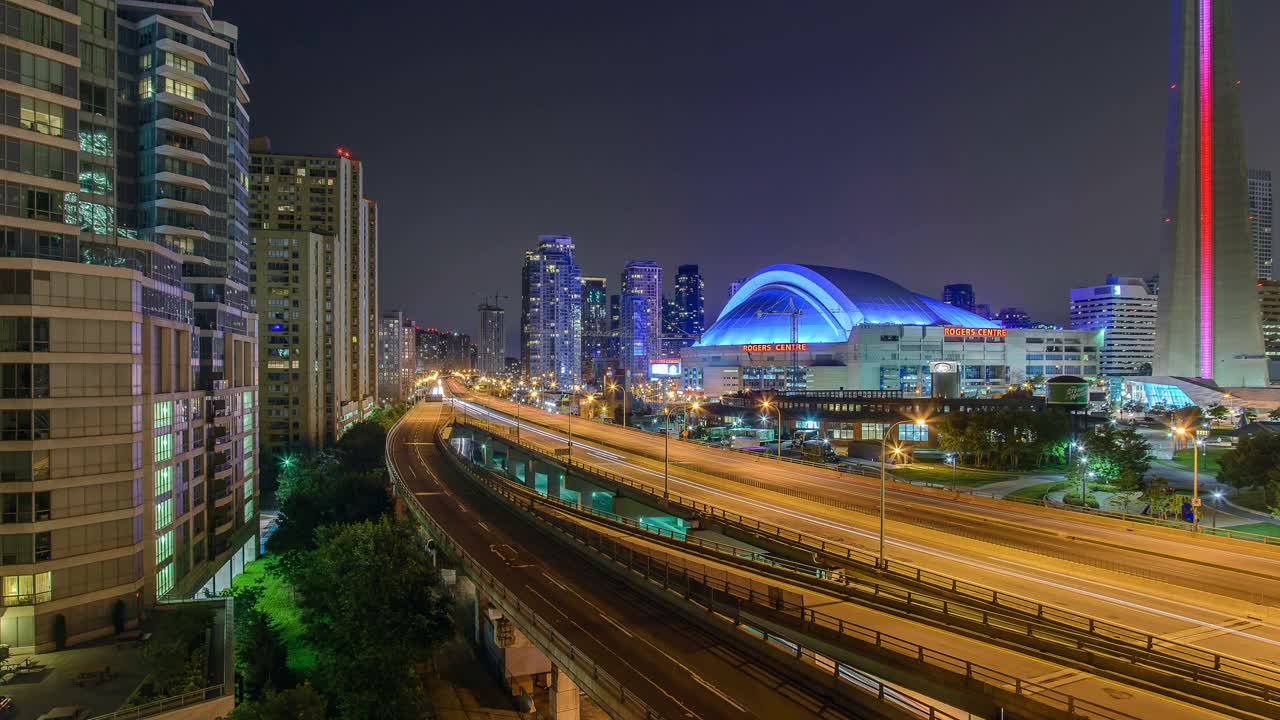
664,369
967,332
1071,393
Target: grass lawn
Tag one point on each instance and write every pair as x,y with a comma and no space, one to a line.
1261,528
1251,498
1037,492
1209,458
941,473
277,602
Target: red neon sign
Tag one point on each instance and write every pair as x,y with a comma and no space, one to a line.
974,332
775,347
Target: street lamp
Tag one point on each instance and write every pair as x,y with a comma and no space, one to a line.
951,458
666,457
767,405
883,449
1195,475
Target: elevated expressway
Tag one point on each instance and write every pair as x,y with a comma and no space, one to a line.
1207,592
631,654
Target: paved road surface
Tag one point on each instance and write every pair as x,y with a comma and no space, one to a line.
680,669
1117,575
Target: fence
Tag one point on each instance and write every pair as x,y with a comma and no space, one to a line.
163,705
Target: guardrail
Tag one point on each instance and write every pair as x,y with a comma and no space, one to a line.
730,596
1224,533
155,707
555,645
1101,643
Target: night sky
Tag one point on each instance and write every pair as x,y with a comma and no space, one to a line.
1014,145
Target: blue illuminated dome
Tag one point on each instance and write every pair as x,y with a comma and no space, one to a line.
832,301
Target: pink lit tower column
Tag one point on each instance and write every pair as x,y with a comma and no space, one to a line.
1209,322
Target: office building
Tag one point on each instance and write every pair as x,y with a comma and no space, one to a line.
1125,313
1261,211
1269,305
1209,320
286,289
129,442
324,194
859,331
690,299
960,295
491,353
551,314
640,324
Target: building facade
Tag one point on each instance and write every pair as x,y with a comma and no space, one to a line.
1209,321
599,352
960,295
286,285
129,352
1261,212
491,352
551,314
324,194
640,324
391,356
691,301
859,331
1125,313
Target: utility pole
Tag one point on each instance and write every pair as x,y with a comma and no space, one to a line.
794,312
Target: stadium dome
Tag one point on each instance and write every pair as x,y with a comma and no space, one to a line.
832,301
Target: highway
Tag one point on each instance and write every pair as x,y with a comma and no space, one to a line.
679,668
1207,593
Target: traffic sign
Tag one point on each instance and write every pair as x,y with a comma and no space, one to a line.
1196,502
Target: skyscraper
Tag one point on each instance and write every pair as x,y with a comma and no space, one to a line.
1012,317
491,353
960,295
641,321
432,347
1209,320
1126,314
690,297
324,194
1260,215
551,313
595,326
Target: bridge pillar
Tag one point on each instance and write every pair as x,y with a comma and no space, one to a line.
647,515
542,474
587,495
565,698
517,466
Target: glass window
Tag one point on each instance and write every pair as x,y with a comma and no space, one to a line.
163,483
913,433
873,431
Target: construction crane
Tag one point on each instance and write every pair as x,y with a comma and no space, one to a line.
794,312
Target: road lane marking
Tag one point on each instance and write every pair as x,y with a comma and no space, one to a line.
614,623
486,527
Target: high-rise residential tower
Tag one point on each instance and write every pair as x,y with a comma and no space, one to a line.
491,352
595,327
641,321
391,356
1126,314
551,313
1209,320
1261,211
690,298
960,295
128,447
324,194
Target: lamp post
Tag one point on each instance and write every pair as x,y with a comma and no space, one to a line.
1195,475
767,405
883,449
951,458
666,457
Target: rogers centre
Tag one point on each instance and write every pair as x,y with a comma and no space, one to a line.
859,331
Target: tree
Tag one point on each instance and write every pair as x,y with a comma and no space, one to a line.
365,444
174,658
299,703
261,656
1253,463
1120,455
1216,412
324,490
372,606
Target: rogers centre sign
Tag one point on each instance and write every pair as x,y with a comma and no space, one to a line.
974,332
775,347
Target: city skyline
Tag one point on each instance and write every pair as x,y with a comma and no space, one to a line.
976,173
